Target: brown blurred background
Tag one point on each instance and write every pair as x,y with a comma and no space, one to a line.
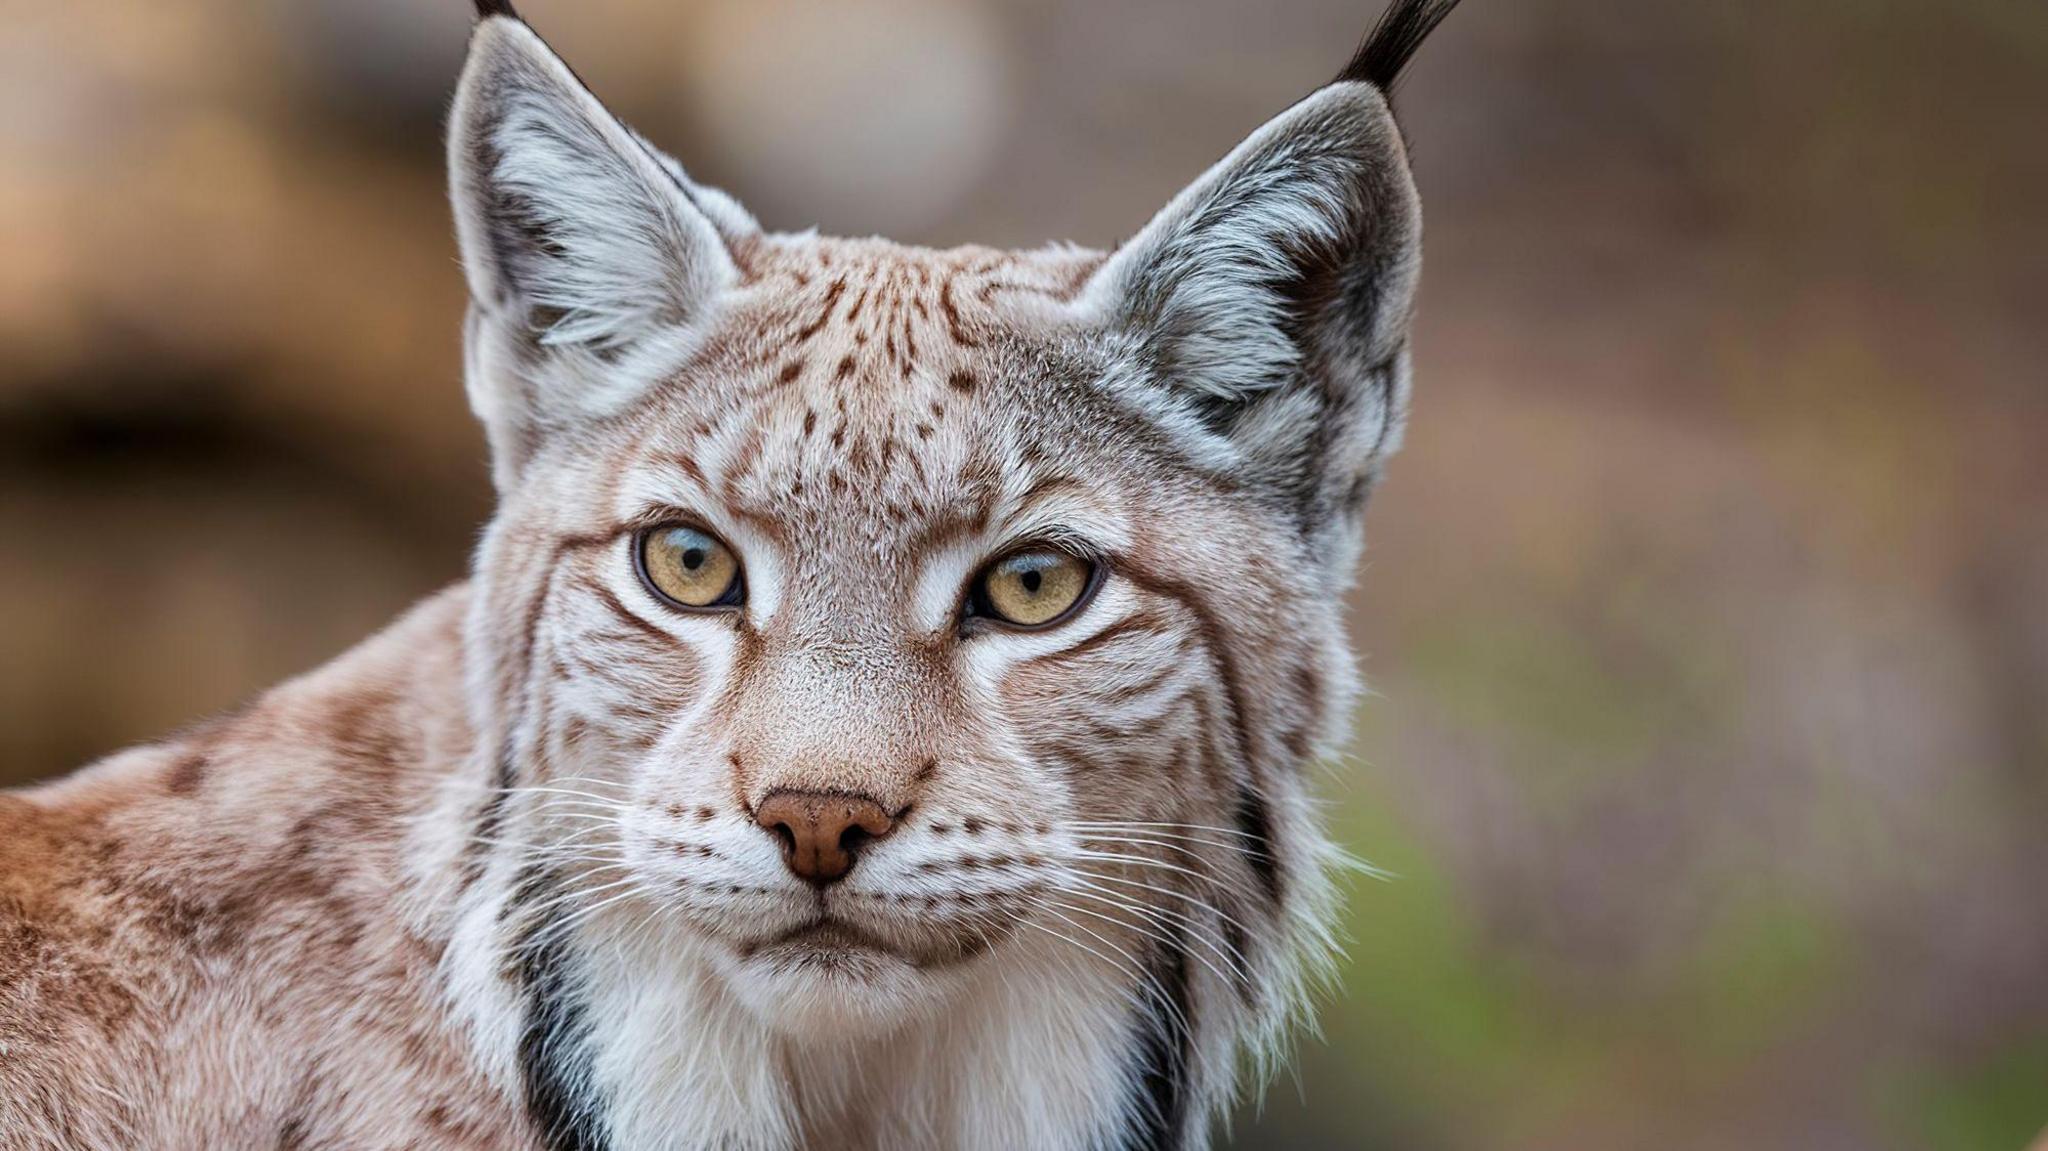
1707,608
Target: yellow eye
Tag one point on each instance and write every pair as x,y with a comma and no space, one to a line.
689,568
1033,588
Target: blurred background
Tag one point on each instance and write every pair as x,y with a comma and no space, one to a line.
1707,608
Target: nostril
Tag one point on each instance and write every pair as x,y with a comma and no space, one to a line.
821,832
852,838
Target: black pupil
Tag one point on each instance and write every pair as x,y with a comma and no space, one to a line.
693,558
1031,580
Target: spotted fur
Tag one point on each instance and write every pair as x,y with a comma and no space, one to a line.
494,880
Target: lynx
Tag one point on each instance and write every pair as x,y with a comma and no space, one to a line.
882,712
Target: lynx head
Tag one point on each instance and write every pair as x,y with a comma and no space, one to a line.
861,619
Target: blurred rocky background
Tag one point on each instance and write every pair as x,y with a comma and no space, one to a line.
1707,609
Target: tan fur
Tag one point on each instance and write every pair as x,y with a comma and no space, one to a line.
212,942
494,879
225,939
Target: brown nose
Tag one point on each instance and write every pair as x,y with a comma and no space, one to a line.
821,832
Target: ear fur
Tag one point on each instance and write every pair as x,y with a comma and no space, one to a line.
585,250
1270,299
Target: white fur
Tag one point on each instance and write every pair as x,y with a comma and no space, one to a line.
703,1032
1216,272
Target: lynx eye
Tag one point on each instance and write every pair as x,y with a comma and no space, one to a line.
1032,588
689,567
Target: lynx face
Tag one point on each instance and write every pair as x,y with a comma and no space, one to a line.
879,627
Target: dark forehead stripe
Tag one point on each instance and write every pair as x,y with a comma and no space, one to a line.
955,325
893,310
825,310
958,325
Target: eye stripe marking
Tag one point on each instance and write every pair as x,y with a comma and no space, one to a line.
625,614
1138,623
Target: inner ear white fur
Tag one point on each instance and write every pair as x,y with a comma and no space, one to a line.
587,253
563,214
1263,314
1221,283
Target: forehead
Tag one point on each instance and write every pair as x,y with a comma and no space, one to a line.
868,391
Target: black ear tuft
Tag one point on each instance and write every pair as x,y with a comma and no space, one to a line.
1400,31
485,9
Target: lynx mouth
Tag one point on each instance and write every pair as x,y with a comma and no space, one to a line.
827,979
824,934
831,943
830,948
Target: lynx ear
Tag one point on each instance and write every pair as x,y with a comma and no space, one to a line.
1268,304
1269,301
585,250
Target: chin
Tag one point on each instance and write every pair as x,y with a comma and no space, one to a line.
829,985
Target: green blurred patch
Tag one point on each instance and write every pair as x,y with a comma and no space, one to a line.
1582,700
1430,1023
1999,1103
1441,1030
1766,969
1526,675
